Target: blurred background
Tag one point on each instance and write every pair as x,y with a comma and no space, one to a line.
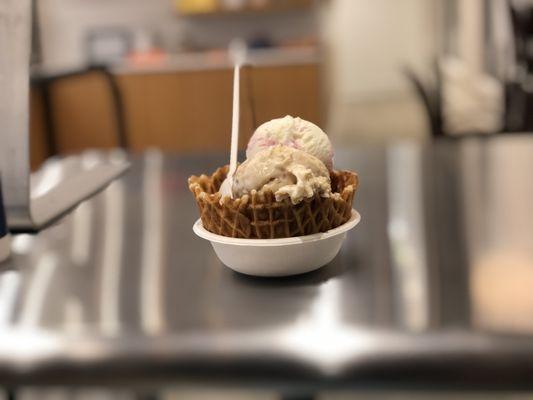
141,74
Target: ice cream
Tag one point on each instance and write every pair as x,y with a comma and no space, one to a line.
286,171
293,132
287,186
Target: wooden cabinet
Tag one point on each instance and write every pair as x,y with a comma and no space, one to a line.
177,111
189,111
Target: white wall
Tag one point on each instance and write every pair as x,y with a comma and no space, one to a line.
66,22
368,42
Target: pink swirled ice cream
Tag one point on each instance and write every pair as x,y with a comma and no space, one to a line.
292,132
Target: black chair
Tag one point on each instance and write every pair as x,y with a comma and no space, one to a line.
44,81
522,25
430,95
518,95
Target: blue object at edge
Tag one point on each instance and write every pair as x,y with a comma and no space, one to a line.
3,224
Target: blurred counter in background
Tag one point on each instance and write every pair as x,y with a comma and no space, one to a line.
165,77
217,7
216,59
181,103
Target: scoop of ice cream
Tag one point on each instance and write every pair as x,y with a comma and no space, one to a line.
287,172
293,132
225,188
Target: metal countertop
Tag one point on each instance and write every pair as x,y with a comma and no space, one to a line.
431,289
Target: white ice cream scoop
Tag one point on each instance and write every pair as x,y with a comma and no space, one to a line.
286,172
293,132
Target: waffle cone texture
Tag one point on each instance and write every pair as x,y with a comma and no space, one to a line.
260,216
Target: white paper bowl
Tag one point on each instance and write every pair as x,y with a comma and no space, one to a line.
278,257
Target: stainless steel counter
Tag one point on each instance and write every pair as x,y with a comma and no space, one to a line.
205,61
198,61
432,289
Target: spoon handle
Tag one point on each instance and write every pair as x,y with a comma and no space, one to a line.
235,120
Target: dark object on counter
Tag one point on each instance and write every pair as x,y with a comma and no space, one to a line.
517,102
518,92
522,25
260,42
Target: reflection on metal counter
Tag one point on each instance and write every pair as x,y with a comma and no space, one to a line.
501,245
122,292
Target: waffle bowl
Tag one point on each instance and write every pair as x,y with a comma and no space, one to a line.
260,216
257,235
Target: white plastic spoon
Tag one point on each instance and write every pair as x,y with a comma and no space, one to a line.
226,187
